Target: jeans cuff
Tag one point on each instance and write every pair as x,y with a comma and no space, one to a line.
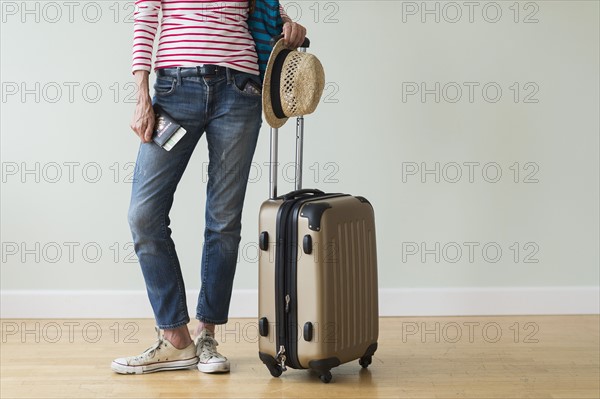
174,325
210,321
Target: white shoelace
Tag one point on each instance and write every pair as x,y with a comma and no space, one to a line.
151,351
208,345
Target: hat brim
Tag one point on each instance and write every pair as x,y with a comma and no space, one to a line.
270,116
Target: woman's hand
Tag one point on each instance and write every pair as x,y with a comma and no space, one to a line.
142,122
293,33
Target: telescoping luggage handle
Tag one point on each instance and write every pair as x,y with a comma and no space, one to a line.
299,148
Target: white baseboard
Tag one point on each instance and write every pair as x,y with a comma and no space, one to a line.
392,302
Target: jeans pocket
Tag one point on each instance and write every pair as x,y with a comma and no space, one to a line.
165,85
247,84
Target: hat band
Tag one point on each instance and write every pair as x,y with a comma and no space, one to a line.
276,84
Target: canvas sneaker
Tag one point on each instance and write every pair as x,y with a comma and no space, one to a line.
210,361
161,356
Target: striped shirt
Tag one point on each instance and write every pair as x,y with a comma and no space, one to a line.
265,22
193,32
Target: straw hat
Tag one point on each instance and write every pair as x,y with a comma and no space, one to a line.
293,84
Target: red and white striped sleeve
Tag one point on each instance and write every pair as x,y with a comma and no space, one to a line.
145,25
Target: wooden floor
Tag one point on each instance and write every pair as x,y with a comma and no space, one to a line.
433,357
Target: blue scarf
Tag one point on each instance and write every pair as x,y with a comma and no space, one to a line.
264,23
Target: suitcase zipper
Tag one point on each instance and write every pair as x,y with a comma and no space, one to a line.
281,286
285,285
281,358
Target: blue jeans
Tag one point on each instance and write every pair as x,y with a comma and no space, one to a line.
231,118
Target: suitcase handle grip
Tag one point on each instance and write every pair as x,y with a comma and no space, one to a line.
298,193
275,39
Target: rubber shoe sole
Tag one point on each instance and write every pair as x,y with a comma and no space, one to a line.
153,367
219,367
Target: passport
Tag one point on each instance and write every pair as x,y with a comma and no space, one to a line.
167,132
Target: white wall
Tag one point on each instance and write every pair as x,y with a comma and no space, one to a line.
370,136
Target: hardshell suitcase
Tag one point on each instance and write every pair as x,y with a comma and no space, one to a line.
318,304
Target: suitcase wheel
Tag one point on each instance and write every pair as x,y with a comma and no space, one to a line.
365,361
275,370
326,377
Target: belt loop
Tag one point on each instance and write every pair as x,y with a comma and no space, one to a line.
178,76
228,74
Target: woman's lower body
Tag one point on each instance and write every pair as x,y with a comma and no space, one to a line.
222,106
